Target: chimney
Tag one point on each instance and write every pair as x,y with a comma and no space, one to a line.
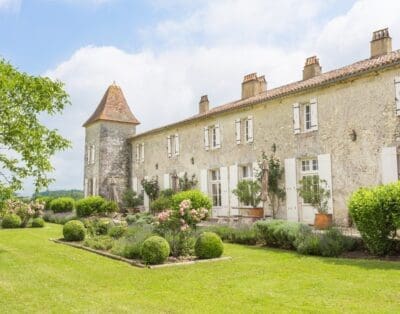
204,104
253,85
311,68
381,43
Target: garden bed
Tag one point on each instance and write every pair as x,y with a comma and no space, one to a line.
171,261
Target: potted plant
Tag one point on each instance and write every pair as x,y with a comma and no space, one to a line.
249,194
314,191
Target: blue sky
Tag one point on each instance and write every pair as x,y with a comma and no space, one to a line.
165,54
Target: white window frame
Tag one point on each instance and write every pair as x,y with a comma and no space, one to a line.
249,129
212,137
215,182
309,168
307,118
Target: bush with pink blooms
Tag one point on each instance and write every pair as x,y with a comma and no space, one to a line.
25,211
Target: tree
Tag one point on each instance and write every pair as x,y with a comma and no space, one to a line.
26,145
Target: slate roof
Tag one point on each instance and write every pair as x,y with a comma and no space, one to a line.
113,107
353,70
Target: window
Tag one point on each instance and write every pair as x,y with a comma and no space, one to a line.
140,152
246,172
248,130
307,117
215,187
212,135
308,165
90,154
310,178
173,145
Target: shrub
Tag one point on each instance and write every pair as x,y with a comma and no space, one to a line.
280,233
310,245
181,244
89,206
155,250
197,199
102,242
47,201
97,226
224,232
209,245
62,205
74,230
11,221
116,232
244,235
375,212
130,245
140,218
130,199
38,223
160,204
108,207
59,218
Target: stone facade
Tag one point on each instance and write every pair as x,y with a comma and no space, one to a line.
341,125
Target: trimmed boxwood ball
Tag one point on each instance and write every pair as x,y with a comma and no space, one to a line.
74,230
11,221
155,250
38,223
209,245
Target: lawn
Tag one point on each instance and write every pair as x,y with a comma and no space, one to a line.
37,275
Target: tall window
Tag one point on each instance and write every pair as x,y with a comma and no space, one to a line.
140,152
246,172
212,137
310,178
307,117
216,187
173,145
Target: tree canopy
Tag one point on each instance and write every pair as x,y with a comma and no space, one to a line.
26,145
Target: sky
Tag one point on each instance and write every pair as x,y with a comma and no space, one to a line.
165,54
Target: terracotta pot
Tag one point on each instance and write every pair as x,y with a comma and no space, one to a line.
256,212
322,221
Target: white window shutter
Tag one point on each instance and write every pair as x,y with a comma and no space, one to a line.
296,118
224,187
233,181
169,148
206,139
135,187
137,153
203,181
250,132
237,131
142,153
86,189
314,114
256,169
325,173
94,182
166,181
291,190
217,136
397,91
389,165
176,145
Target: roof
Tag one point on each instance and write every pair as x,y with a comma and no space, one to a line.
113,107
355,69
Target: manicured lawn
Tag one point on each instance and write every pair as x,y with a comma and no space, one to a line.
37,275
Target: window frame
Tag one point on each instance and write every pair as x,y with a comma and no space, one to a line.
216,182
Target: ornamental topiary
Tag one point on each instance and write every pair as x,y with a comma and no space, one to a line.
62,205
11,221
155,250
38,223
209,245
74,230
375,212
90,205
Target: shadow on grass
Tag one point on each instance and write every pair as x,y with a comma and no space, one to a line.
367,263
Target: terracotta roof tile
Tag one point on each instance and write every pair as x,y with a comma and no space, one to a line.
343,73
113,107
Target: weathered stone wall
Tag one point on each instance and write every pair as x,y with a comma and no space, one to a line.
365,105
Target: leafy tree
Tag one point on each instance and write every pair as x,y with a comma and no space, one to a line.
151,187
26,145
248,192
186,183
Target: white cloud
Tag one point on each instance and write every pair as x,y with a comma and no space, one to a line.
208,52
10,5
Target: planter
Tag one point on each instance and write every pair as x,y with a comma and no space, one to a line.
322,221
252,212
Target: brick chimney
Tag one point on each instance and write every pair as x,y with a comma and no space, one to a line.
381,43
311,68
204,104
253,85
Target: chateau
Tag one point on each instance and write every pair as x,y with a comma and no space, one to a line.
342,125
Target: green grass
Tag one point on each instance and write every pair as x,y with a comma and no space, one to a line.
37,275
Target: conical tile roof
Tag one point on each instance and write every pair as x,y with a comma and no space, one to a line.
113,107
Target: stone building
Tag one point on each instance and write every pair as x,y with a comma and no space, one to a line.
342,125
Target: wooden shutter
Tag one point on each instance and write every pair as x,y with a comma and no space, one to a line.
166,181
176,145
142,153
203,181
169,148
237,131
296,118
137,153
249,135
291,190
389,165
206,139
314,114
397,91
217,136
325,173
135,185
224,189
86,189
233,181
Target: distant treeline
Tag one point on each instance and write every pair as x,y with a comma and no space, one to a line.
75,194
